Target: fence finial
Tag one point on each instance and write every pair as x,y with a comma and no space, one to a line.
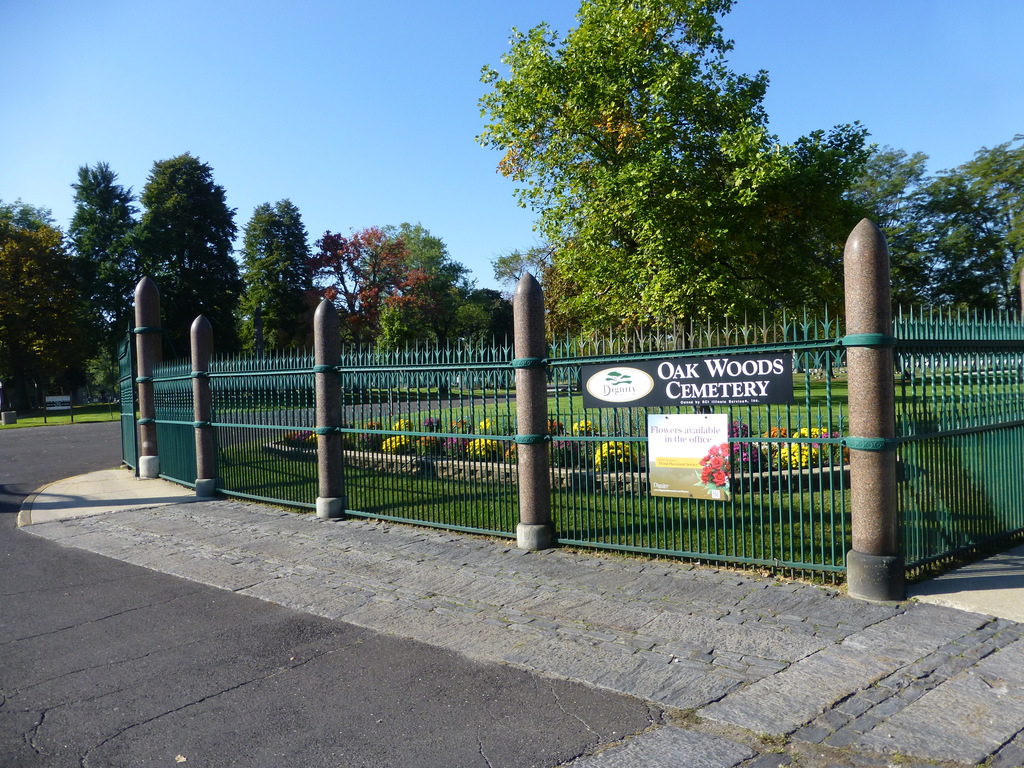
875,565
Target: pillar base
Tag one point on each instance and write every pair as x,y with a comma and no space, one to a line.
206,488
149,467
330,508
9,417
875,578
534,536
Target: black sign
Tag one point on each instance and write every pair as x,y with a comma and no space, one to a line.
697,381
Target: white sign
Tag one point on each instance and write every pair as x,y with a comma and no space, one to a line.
689,455
58,402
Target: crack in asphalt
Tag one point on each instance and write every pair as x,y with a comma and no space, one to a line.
111,664
558,703
126,611
480,742
269,675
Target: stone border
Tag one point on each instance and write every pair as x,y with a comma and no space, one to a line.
768,481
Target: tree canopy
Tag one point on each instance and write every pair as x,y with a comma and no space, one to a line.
649,162
100,235
184,242
278,279
438,286
362,274
39,314
955,238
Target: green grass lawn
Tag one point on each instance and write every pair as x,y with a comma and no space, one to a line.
79,414
804,525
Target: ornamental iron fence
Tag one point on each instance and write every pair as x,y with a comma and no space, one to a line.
449,437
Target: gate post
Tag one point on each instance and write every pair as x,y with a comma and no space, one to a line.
202,408
331,502
535,530
147,334
875,565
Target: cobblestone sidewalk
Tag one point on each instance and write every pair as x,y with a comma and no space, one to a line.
750,671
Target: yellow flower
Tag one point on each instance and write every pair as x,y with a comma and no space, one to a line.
483,448
397,444
583,427
612,455
402,425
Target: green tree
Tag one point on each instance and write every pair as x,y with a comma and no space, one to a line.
100,235
969,263
184,242
363,274
890,192
653,172
997,176
278,280
25,216
438,285
510,267
486,317
39,314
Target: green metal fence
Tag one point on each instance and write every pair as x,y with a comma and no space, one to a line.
429,436
789,502
126,389
960,425
175,434
264,413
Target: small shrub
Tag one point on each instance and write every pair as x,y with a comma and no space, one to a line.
611,456
484,449
744,455
369,441
565,453
398,445
306,440
455,446
583,428
427,446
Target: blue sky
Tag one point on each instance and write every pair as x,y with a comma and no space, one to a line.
366,113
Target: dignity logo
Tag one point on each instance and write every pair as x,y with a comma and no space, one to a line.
620,385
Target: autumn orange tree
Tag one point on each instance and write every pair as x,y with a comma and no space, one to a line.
363,274
655,178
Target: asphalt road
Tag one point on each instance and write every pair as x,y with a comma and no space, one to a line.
107,664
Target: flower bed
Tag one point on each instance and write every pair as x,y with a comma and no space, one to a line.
744,467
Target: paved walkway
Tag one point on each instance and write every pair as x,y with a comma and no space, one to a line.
748,671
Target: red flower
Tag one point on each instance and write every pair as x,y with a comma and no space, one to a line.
718,478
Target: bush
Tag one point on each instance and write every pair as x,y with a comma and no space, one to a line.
583,428
455,446
484,450
565,453
399,444
428,446
611,456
